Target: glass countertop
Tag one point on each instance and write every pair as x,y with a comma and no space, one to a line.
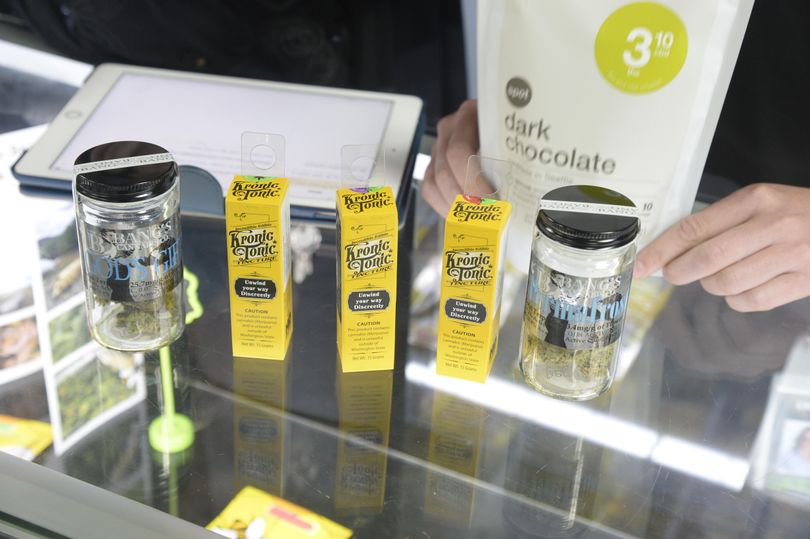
700,435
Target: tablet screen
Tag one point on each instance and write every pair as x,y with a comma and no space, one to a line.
201,123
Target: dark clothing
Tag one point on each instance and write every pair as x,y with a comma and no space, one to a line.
294,41
764,128
411,47
416,47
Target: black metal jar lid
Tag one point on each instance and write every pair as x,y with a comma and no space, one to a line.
124,171
588,217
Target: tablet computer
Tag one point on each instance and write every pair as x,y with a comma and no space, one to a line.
200,119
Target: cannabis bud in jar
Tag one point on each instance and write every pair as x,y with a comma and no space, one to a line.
127,214
579,284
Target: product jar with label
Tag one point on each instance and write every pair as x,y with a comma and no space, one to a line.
127,198
578,289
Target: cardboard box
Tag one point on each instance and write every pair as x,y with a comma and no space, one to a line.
257,219
366,278
472,279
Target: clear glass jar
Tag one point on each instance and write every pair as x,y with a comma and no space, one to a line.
578,290
127,202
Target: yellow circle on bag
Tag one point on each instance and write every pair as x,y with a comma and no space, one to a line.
641,47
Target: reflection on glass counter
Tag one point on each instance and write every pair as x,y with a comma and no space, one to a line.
43,322
169,431
59,256
92,389
782,454
558,471
259,433
171,472
364,411
20,352
456,430
116,457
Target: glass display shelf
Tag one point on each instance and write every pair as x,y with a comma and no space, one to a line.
691,440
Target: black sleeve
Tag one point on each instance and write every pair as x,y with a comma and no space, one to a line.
764,128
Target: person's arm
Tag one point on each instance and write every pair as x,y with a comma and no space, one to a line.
752,247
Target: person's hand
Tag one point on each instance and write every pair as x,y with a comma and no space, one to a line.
457,140
753,247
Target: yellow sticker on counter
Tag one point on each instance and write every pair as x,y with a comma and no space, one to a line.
254,514
24,438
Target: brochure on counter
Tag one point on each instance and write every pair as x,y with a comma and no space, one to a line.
42,314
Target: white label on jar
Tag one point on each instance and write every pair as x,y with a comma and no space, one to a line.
137,264
576,313
123,162
587,207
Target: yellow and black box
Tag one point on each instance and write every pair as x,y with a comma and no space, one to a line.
472,280
366,278
257,219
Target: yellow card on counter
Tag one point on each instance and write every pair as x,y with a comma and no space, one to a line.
254,514
24,438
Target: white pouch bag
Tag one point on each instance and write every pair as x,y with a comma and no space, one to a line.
604,92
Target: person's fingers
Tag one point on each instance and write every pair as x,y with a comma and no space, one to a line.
750,272
445,181
431,193
701,226
721,251
778,291
463,142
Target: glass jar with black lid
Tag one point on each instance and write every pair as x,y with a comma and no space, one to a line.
127,199
578,290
